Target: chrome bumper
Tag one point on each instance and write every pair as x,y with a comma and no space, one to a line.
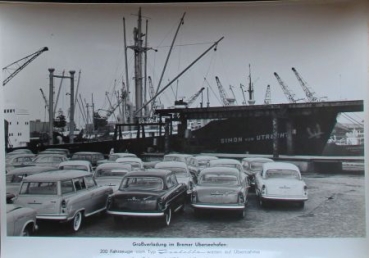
136,214
218,207
52,217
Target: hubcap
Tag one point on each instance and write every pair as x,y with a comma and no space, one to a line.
77,221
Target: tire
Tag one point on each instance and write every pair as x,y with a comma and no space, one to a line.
262,202
301,204
196,212
27,231
242,214
167,216
77,221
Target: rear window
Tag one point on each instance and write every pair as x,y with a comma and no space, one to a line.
218,179
39,188
142,183
282,173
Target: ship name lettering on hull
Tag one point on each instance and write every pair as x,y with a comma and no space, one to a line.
260,137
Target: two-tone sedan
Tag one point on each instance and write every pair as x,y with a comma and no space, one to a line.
21,221
280,181
63,196
150,193
220,188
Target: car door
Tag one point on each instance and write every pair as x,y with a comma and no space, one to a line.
81,199
177,193
98,195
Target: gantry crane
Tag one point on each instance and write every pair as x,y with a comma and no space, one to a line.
226,101
289,94
192,99
310,94
18,66
268,97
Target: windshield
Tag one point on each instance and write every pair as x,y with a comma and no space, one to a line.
110,172
142,183
218,179
282,173
78,167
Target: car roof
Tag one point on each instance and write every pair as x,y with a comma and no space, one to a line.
223,161
220,170
205,157
170,164
56,175
258,159
50,154
177,155
150,172
29,169
280,165
128,159
75,162
87,152
113,165
22,155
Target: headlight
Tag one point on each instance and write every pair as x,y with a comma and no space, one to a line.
263,189
241,199
194,197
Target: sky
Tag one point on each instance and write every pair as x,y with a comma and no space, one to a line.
325,42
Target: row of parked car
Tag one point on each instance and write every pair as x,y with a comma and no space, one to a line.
125,187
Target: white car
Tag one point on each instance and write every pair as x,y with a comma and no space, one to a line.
199,162
181,171
21,221
280,181
177,157
253,165
136,163
111,174
84,165
229,163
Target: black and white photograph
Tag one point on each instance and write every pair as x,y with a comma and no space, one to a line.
184,129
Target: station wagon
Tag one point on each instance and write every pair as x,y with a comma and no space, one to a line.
64,196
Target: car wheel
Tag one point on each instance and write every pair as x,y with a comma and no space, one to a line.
77,221
26,231
167,216
196,212
262,202
242,214
301,204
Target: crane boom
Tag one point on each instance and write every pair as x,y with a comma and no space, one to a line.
226,101
192,99
243,94
22,63
289,94
44,97
310,94
268,98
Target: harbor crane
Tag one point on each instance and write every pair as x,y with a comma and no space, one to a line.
20,64
310,94
234,96
289,94
268,97
192,99
243,94
226,101
44,97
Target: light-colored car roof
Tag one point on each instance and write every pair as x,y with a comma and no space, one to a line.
129,159
149,172
75,162
56,175
178,155
30,170
51,154
223,161
257,159
124,154
205,157
220,170
21,155
171,164
279,165
114,165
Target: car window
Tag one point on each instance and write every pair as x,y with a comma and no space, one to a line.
142,183
66,186
79,184
90,182
39,188
218,179
282,173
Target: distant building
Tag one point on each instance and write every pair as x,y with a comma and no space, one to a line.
18,127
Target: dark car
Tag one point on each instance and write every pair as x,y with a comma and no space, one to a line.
149,193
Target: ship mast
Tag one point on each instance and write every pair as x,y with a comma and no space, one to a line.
251,89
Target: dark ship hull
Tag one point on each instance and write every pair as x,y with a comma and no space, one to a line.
255,135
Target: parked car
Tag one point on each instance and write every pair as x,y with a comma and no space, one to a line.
199,162
15,177
63,196
251,166
177,157
181,170
91,156
136,163
230,163
49,160
111,174
149,193
19,151
280,181
220,188
18,160
61,151
116,155
84,165
20,221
